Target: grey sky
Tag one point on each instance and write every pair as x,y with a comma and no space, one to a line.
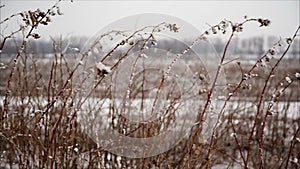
88,17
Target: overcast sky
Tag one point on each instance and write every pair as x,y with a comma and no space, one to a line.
88,17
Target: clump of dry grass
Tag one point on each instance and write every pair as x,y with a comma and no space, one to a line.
43,101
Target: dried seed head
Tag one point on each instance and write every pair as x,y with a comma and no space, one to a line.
264,22
131,43
35,36
272,51
288,40
245,76
123,42
101,69
239,29
173,27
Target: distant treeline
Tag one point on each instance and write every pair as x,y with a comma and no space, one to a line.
252,46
